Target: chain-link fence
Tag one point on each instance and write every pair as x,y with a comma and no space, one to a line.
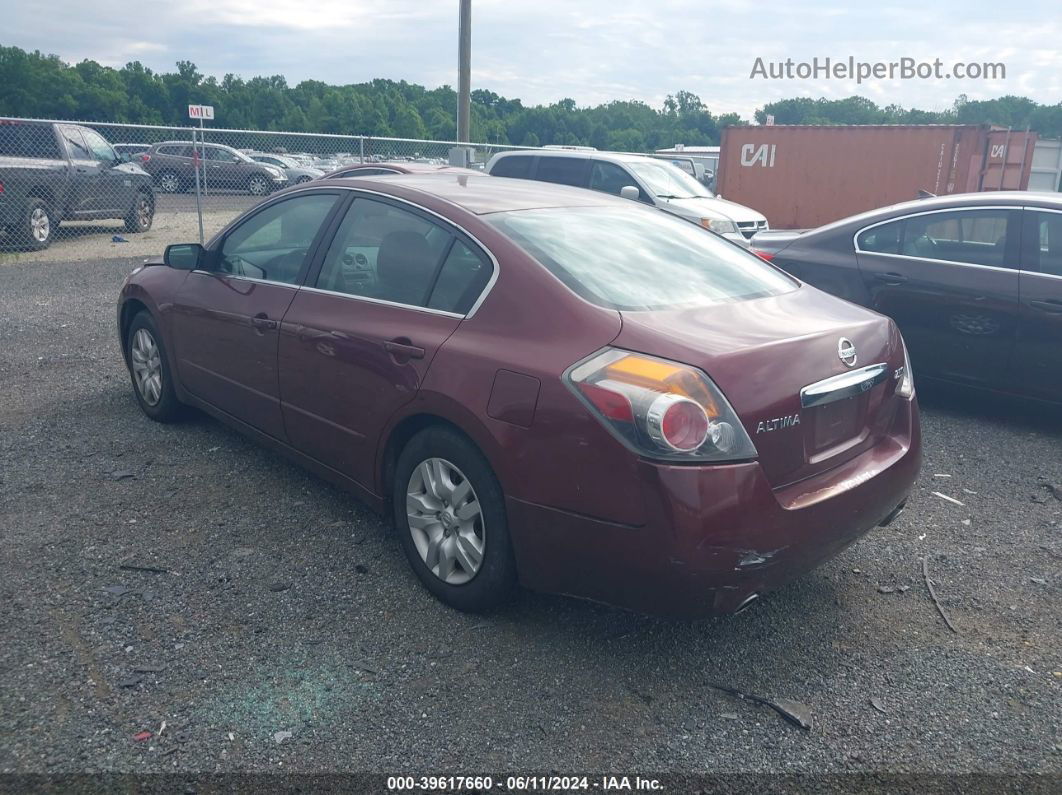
92,190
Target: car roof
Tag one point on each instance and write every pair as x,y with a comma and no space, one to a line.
951,201
615,157
411,167
480,193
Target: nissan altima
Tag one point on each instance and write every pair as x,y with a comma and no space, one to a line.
542,385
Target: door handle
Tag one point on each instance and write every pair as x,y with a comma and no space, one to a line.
401,347
890,278
307,334
1049,305
262,322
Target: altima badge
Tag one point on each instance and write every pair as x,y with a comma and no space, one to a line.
846,351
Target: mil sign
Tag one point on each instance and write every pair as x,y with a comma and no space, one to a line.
201,112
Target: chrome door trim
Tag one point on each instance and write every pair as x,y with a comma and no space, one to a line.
845,385
370,300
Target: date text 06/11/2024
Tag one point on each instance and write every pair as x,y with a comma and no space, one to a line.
523,783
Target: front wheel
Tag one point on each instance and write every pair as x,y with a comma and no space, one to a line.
258,186
141,214
150,370
450,513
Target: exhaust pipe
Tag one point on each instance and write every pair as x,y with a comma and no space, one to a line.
747,603
893,514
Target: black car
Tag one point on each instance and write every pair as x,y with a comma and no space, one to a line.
974,282
58,172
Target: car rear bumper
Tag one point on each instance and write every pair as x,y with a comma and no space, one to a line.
717,536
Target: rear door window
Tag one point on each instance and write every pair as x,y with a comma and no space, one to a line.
385,253
976,237
563,170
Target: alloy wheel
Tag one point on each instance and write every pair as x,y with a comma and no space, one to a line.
146,360
446,521
40,224
169,182
257,186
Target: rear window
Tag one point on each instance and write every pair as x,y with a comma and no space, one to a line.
28,140
518,166
634,258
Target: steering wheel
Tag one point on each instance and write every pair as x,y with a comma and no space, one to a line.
286,264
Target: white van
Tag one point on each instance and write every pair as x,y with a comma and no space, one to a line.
639,177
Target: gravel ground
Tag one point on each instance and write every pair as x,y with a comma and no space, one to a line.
286,607
175,222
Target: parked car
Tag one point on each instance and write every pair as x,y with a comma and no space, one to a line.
127,151
390,167
543,384
172,166
647,179
974,282
295,172
65,172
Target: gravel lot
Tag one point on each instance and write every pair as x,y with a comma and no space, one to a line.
175,222
286,607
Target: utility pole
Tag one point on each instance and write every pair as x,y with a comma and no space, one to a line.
464,70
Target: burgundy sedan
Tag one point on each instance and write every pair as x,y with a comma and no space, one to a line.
542,385
387,168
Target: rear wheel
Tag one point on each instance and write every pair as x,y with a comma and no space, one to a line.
149,370
37,227
258,185
141,214
450,513
169,182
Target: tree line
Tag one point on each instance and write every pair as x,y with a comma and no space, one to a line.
33,84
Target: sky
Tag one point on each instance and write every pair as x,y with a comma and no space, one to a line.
592,51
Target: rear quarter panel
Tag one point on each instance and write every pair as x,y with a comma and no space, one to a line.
826,261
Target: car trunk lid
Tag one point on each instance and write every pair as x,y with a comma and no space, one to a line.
764,353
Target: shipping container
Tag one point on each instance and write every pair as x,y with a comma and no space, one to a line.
806,176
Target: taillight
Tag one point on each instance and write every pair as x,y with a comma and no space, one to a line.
1,187
764,255
144,158
660,408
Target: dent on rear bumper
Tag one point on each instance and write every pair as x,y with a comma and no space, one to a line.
715,535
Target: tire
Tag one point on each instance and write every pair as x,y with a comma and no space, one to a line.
258,185
141,214
169,181
37,227
159,401
478,587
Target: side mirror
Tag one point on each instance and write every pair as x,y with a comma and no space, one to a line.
629,192
183,256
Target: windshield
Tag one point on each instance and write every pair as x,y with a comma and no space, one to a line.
636,258
668,182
